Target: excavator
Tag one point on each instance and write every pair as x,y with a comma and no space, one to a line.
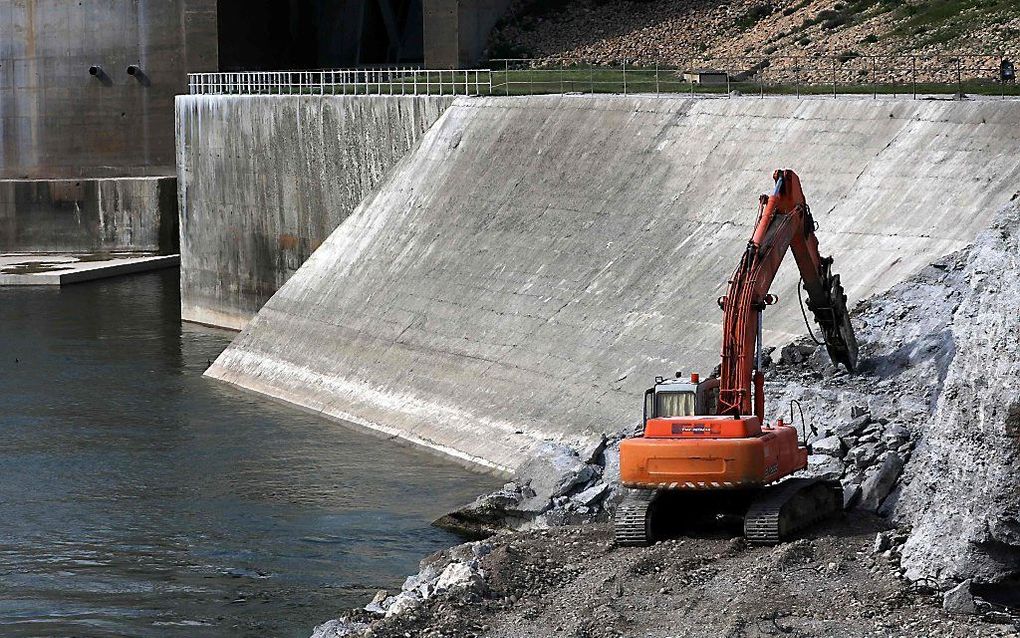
705,453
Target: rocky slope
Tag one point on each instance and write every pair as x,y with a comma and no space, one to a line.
670,33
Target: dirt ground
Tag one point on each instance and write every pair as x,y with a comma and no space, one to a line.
572,581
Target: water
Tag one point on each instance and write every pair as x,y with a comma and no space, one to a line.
139,499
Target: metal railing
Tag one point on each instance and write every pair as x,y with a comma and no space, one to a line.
849,73
375,81
906,75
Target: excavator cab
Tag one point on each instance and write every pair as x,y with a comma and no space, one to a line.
681,397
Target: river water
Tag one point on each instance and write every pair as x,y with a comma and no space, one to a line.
138,498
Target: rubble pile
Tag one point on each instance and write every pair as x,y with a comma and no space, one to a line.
925,433
561,486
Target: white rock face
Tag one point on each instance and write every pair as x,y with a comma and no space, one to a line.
963,496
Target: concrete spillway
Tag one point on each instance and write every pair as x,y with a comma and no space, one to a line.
265,179
526,270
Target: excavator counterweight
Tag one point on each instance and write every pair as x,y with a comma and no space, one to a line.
706,450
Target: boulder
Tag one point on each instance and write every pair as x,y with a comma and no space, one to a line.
851,493
880,482
377,604
854,426
863,454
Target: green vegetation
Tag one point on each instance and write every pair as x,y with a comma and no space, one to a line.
942,21
754,16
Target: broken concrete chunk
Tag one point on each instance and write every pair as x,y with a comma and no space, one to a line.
878,485
959,600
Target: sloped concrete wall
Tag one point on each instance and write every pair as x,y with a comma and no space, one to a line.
89,215
265,179
522,276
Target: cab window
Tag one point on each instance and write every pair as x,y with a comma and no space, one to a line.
669,404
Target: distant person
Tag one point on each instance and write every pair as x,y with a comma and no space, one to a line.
1007,72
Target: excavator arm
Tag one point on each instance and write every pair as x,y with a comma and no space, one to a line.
784,223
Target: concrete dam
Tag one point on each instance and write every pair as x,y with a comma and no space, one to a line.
520,275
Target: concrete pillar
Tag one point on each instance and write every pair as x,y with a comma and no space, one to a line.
457,31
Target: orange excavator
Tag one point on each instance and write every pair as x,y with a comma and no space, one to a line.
706,451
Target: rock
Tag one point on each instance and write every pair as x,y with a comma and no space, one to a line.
339,628
428,574
883,541
376,606
554,470
824,466
488,513
863,454
880,482
895,435
460,577
963,493
592,495
830,446
853,427
796,353
959,600
851,492
403,603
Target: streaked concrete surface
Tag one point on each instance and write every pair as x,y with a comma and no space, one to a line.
58,121
264,180
523,274
88,215
58,270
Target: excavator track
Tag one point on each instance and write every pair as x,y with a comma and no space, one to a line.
632,525
789,507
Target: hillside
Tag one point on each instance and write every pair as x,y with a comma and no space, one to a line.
644,32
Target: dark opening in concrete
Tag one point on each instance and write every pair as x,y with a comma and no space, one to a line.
264,35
